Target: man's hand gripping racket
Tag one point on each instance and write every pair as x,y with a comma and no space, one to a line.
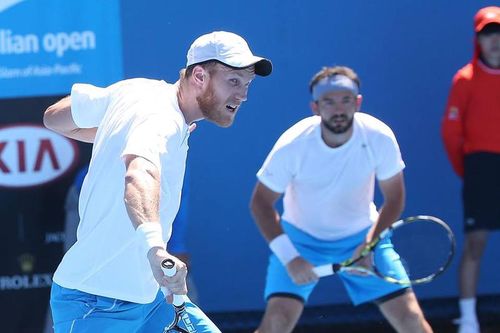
181,315
424,247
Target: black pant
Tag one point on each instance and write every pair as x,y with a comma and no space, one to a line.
481,191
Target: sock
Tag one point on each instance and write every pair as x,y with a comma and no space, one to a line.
468,309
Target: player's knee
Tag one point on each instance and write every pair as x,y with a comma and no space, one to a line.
281,315
277,322
413,319
414,315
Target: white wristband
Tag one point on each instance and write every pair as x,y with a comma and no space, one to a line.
283,248
150,236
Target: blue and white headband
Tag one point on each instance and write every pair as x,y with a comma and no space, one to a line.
334,83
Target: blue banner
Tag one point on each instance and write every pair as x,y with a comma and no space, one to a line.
46,46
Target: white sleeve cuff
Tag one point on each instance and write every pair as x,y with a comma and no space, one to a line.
283,248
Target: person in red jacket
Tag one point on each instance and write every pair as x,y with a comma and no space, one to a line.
471,134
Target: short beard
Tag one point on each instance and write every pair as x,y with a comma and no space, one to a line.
208,106
338,129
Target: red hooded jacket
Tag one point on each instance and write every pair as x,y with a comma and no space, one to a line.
471,122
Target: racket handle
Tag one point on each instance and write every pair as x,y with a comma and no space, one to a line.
168,268
324,270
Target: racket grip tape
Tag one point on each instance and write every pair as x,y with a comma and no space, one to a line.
168,268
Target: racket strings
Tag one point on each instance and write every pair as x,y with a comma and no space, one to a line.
422,249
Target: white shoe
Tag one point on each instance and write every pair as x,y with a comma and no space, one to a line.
467,326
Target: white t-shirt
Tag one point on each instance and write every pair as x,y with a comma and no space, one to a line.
138,117
329,191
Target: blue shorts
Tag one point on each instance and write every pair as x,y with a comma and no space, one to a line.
74,311
318,252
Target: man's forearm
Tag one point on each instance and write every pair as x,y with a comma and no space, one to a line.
389,213
142,202
267,221
142,190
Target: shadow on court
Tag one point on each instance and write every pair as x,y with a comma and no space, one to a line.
366,318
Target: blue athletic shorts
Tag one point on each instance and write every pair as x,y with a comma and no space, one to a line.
318,252
74,311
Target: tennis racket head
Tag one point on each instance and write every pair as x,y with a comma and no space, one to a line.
415,250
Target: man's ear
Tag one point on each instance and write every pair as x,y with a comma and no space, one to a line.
200,76
314,107
359,100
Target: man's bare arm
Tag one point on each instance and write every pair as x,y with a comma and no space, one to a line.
58,118
142,190
264,213
268,220
393,191
142,198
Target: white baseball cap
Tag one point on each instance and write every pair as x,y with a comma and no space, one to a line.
228,48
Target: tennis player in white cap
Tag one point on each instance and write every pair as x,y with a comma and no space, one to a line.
109,281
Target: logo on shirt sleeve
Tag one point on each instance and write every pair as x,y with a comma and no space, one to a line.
453,113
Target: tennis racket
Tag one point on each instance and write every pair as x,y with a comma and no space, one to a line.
181,315
423,248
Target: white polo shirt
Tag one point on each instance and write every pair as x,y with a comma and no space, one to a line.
329,191
139,117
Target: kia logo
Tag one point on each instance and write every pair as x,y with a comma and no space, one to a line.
31,155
